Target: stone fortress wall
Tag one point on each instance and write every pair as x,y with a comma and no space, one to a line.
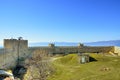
16,49
75,49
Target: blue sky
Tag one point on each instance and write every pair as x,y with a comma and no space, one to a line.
60,20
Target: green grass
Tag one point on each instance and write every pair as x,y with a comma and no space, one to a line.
68,68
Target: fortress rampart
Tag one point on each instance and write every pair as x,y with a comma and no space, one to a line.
75,49
16,49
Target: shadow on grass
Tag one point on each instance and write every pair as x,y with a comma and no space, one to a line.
19,71
92,59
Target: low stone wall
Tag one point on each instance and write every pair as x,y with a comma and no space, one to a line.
97,49
31,50
74,49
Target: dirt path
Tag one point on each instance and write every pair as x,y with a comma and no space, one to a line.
55,58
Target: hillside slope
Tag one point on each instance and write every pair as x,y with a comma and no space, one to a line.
68,68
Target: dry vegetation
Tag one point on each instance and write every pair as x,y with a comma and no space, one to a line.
38,67
68,67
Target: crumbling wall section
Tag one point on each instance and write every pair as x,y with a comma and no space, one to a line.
117,50
97,49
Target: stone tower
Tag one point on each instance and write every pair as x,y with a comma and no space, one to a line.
80,45
15,49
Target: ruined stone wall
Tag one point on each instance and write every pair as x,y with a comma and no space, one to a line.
97,49
66,49
84,49
117,50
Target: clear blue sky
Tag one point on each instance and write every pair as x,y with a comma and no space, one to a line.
60,20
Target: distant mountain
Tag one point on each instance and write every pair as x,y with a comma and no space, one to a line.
104,43
56,44
99,43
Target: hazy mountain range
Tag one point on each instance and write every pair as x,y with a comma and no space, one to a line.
99,43
104,43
